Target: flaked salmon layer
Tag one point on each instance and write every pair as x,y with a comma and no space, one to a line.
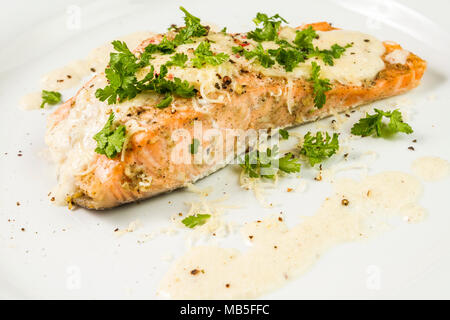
147,168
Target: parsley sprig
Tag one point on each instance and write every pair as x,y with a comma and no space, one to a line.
270,27
123,65
260,164
261,55
111,138
373,124
320,86
50,97
204,55
319,147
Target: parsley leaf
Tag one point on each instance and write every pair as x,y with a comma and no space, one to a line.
193,147
373,125
269,30
164,103
327,56
193,28
259,164
195,220
261,55
110,140
304,38
320,86
178,59
123,65
287,57
318,148
204,55
284,134
50,97
289,163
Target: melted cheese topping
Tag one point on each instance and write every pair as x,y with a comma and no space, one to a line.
397,56
278,253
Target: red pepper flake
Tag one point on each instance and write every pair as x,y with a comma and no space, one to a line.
60,80
280,219
244,44
52,199
69,76
170,76
289,189
251,237
227,285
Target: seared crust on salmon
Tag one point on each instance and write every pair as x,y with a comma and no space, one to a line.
258,101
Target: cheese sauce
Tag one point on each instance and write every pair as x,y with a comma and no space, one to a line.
355,211
431,168
72,74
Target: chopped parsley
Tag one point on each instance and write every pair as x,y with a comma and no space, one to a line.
262,56
327,56
193,147
318,148
320,86
50,97
111,138
195,220
178,60
204,55
193,28
259,164
123,65
164,103
287,56
269,30
373,124
284,134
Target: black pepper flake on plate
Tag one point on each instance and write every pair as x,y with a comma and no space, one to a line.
411,148
195,271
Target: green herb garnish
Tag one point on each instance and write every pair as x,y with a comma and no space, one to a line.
262,56
259,164
50,97
373,124
269,30
164,103
193,147
318,148
195,220
178,59
123,65
111,138
284,134
320,86
204,55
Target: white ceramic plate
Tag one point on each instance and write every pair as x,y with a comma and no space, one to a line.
75,254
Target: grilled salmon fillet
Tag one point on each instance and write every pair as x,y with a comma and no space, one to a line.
244,98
